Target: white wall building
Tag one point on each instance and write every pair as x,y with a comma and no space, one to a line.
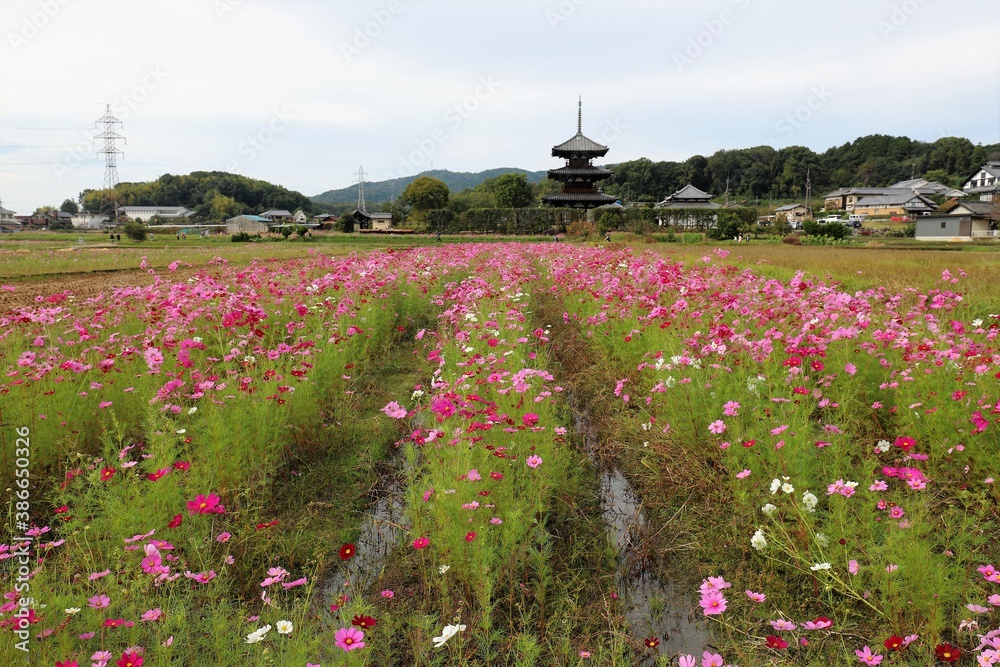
147,213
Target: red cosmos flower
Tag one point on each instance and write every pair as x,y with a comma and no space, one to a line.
492,342
651,642
269,524
363,622
947,653
182,465
817,365
792,362
176,521
470,536
496,476
67,663
894,643
749,443
107,473
773,641
130,659
420,542
346,551
62,510
905,443
802,391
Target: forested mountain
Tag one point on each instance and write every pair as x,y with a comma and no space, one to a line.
215,195
876,160
382,191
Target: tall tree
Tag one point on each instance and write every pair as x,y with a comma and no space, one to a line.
513,191
69,206
425,193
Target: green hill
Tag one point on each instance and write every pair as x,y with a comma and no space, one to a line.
213,194
380,191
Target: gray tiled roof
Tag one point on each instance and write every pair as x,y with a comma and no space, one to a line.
579,144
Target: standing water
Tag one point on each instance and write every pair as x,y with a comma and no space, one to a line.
651,604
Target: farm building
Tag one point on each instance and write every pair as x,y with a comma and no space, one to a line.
963,221
251,224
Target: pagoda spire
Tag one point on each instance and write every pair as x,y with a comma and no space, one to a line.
579,116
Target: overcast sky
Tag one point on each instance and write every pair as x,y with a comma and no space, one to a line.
302,93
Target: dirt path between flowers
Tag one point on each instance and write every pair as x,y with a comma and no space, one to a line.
83,285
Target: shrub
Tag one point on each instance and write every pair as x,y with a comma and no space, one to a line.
135,230
582,228
692,237
792,239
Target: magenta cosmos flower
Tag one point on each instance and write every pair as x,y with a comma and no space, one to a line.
349,638
203,504
713,603
420,542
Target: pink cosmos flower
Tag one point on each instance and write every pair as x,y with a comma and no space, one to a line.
782,624
717,427
152,615
201,577
713,603
821,623
97,575
731,409
222,537
977,609
743,474
852,566
686,660
533,461
387,594
349,638
98,601
473,475
866,656
711,659
878,485
394,410
896,512
756,597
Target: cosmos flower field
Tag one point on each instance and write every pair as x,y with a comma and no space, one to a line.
200,453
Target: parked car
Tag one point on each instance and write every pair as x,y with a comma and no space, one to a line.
856,220
831,218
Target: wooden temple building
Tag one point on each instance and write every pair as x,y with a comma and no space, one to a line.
579,177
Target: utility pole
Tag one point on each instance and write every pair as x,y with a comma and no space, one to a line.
808,193
108,123
727,188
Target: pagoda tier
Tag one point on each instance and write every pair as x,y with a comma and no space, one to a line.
579,176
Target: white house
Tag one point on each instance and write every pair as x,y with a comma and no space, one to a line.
147,213
88,220
277,215
985,182
300,218
7,221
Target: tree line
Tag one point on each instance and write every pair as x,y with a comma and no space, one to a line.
764,172
214,195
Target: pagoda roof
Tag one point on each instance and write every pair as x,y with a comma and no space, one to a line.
595,198
579,145
579,171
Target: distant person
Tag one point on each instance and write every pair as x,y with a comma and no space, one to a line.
607,237
118,238
439,237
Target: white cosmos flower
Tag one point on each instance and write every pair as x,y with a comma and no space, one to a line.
758,541
768,509
258,634
775,485
809,500
72,610
446,634
444,568
822,540
285,627
819,566
787,488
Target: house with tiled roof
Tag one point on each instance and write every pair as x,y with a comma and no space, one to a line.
900,202
984,183
963,220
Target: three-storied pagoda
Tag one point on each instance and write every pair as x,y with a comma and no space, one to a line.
579,177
